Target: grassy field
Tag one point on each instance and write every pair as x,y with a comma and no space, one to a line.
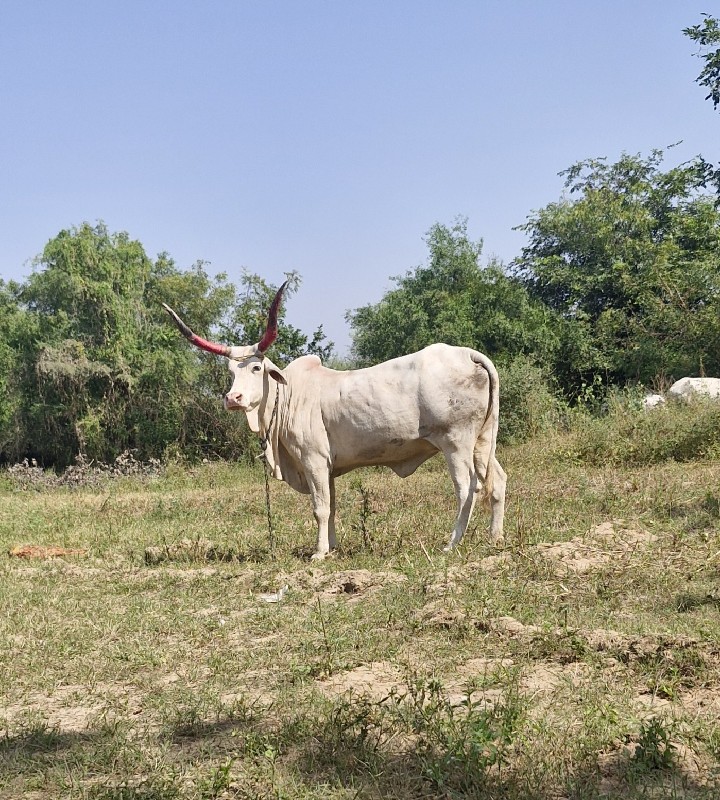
582,660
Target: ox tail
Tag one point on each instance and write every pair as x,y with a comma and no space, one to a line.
484,452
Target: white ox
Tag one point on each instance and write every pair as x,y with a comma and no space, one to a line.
652,401
686,389
317,423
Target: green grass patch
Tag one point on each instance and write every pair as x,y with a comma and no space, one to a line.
580,660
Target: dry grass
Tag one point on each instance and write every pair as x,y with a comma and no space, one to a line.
581,661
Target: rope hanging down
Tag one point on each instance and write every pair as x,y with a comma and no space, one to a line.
263,446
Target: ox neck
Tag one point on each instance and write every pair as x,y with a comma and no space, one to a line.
267,434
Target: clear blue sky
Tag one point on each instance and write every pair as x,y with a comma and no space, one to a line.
327,136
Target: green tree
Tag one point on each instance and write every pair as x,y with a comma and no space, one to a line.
453,299
89,362
707,36
178,389
85,297
16,336
249,317
221,312
632,266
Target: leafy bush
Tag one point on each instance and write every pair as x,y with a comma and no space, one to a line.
90,364
629,434
528,405
456,745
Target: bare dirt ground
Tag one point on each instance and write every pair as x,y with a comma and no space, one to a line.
599,697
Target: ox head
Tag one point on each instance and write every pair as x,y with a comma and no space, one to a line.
247,363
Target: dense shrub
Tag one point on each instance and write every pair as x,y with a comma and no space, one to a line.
91,365
629,434
528,406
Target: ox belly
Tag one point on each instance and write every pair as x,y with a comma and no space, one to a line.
402,456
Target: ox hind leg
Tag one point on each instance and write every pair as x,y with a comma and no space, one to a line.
465,480
496,499
494,481
472,475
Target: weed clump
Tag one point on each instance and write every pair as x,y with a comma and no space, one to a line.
82,474
528,405
453,746
654,749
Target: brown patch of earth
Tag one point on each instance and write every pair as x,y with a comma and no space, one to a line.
543,678
602,545
513,627
486,671
70,709
439,614
491,564
353,584
540,679
375,681
459,575
701,702
44,551
483,667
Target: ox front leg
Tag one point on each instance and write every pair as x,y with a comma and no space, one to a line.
322,493
332,540
462,472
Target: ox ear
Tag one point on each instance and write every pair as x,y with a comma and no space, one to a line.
275,373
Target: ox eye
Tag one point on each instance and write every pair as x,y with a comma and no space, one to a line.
256,368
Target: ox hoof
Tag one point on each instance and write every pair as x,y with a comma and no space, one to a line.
319,556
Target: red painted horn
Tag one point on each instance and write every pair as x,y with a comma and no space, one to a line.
198,341
271,329
263,345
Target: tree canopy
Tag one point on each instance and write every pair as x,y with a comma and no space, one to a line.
707,35
632,265
90,364
452,299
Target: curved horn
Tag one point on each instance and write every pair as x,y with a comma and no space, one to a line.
198,341
271,330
